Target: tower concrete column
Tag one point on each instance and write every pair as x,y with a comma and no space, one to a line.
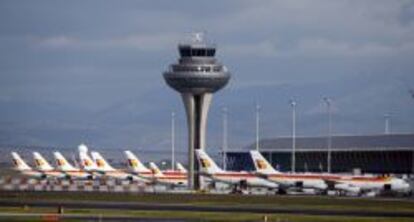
196,107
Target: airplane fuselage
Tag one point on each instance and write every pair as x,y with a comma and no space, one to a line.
172,178
298,180
241,177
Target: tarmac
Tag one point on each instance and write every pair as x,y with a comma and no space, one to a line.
115,205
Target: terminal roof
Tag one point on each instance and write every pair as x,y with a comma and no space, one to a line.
340,143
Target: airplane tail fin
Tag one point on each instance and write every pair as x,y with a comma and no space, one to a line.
41,162
86,162
19,163
181,168
62,163
101,162
155,170
261,164
207,165
134,163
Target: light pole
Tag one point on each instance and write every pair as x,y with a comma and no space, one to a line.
172,140
257,126
225,142
293,161
328,103
387,118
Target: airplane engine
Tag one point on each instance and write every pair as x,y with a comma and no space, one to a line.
130,178
67,177
281,191
299,184
347,188
212,185
387,187
89,177
243,184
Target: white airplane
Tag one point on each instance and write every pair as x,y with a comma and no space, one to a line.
21,166
154,174
286,180
44,167
366,184
179,171
71,171
86,163
210,169
181,168
103,167
172,179
343,183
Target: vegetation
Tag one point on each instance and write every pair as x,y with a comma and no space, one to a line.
273,201
279,202
49,215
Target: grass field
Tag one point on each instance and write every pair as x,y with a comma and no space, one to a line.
303,202
190,216
286,202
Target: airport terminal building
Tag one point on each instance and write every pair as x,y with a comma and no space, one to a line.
377,154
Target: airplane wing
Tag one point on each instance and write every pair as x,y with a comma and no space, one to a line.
341,185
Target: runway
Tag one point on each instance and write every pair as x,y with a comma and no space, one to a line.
116,205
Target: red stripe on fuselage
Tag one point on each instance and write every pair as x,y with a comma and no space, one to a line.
329,177
235,174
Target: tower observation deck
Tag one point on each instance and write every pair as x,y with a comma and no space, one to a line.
197,75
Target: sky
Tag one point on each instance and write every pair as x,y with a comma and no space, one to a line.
91,71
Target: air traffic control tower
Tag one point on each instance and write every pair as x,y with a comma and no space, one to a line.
197,75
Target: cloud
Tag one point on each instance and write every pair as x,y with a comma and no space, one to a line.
318,28
261,49
326,47
265,29
55,42
144,42
318,47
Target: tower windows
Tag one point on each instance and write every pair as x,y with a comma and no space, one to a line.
185,52
197,52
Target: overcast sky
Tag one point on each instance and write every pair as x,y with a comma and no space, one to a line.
91,55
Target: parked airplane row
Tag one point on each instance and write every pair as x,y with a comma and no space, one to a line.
95,166
98,167
266,176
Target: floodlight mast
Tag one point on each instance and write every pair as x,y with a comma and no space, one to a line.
387,119
293,161
173,140
258,108
328,103
225,135
196,76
